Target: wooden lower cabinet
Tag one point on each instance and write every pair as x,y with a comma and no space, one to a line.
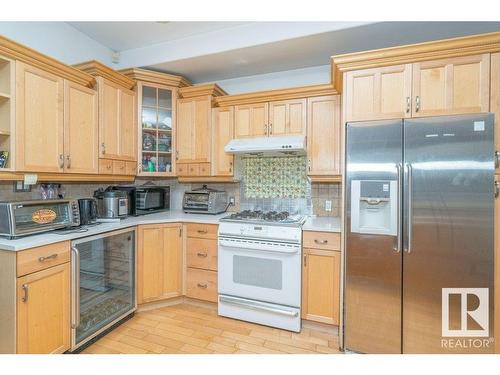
159,262
43,311
321,285
201,284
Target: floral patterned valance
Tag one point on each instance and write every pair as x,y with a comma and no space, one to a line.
275,177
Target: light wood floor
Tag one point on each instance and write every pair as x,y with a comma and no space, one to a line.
189,328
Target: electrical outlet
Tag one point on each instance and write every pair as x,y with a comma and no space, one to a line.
231,200
328,205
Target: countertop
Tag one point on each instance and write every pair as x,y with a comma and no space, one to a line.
158,218
322,224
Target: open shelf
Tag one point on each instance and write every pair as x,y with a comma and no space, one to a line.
6,111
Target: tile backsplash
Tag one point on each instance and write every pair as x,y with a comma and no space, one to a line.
313,202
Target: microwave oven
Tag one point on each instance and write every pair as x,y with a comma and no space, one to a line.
146,199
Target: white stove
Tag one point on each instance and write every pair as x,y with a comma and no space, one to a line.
259,268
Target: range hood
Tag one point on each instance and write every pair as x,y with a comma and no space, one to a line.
268,146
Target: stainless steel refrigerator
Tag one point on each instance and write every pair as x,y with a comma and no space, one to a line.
418,221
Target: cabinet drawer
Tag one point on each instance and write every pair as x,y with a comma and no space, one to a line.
202,230
201,284
193,169
131,168
40,258
202,253
105,166
321,240
204,169
119,167
182,169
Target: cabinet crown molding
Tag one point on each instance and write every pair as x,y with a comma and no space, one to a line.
211,89
151,76
97,69
16,51
275,95
433,50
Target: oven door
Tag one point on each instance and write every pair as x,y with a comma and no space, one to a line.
267,271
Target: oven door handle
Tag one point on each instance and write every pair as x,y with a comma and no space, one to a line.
258,247
257,306
75,287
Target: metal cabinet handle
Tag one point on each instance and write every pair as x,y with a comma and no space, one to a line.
410,206
25,290
270,129
309,165
75,287
48,257
408,104
202,286
202,254
305,260
68,161
417,103
400,184
322,242
497,159
202,231
176,155
103,148
265,129
497,188
61,161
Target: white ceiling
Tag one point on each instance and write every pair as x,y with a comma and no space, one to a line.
212,51
120,36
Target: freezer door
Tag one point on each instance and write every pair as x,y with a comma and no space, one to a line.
448,230
372,303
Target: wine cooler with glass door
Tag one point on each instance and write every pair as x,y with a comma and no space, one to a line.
102,283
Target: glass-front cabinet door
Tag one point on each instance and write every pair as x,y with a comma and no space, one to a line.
157,111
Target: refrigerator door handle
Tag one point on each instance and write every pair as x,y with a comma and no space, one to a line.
397,248
75,287
410,206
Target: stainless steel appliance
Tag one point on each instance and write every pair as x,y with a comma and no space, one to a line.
102,283
259,268
21,218
204,201
146,199
112,204
88,211
419,218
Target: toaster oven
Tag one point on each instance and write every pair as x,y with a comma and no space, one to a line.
204,201
21,218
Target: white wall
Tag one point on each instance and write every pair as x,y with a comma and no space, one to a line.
57,40
289,78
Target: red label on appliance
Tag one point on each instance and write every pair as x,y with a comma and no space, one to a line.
43,216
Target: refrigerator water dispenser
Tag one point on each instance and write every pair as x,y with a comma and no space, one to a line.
374,207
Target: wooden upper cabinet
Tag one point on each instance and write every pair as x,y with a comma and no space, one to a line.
323,135
495,96
80,129
451,86
287,117
43,311
193,131
251,120
378,93
159,266
39,120
222,133
127,123
109,121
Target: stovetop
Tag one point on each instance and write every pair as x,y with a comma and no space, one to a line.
269,217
